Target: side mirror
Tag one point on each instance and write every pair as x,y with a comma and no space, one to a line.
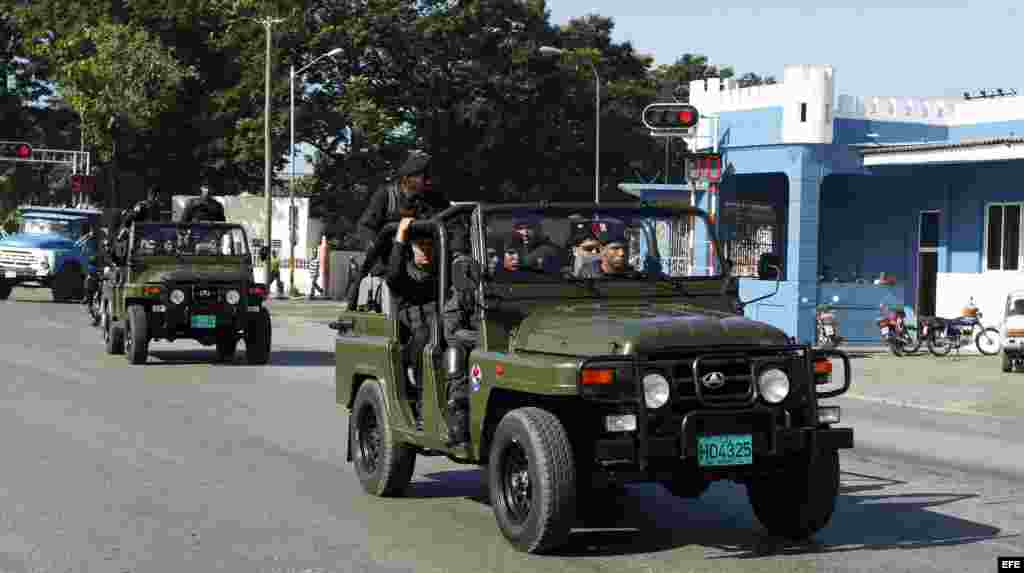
465,273
778,281
264,254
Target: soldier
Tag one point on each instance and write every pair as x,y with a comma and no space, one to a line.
536,251
205,208
614,258
410,195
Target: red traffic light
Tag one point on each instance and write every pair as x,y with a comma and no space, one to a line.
23,151
670,116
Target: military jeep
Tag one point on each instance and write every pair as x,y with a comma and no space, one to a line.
185,280
647,373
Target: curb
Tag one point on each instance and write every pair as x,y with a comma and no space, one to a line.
925,407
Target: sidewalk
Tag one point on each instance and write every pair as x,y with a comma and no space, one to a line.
319,310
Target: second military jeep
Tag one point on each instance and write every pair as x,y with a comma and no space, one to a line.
647,373
185,280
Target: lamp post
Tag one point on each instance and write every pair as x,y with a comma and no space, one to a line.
268,23
553,51
291,181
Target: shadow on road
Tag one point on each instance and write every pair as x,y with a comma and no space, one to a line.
284,357
647,519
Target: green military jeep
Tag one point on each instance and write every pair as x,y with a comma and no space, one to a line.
185,280
642,373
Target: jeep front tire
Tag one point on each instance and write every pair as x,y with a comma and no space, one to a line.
798,501
137,335
532,480
5,289
68,285
383,465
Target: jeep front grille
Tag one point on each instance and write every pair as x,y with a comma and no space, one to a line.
723,380
205,294
17,258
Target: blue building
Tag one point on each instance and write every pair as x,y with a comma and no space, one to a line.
919,190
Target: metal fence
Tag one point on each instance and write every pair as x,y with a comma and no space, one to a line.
752,241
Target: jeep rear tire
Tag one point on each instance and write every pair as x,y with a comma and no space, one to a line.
798,501
532,480
257,338
137,335
114,337
5,289
383,465
226,346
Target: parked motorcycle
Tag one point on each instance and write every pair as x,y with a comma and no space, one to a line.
900,336
828,327
943,334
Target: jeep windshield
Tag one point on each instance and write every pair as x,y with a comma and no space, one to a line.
44,226
619,242
200,240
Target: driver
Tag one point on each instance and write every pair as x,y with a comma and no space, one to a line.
614,256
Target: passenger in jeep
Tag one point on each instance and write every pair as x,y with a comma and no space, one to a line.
614,257
584,246
535,250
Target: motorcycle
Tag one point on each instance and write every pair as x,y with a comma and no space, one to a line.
943,334
896,333
828,327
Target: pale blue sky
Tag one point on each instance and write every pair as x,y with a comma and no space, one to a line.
876,47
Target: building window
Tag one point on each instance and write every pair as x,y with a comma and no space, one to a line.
803,112
757,233
1002,236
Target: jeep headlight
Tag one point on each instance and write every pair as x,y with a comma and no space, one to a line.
773,385
232,296
177,296
656,390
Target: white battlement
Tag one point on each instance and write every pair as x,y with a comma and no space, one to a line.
813,85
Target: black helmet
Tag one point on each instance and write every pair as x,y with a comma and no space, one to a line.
418,162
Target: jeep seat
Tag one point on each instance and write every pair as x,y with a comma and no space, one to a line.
374,292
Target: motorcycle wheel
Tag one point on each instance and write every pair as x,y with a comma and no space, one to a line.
939,346
911,343
989,341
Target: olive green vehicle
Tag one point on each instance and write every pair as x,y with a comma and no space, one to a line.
185,280
653,375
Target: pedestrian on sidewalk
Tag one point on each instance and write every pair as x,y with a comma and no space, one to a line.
275,274
314,274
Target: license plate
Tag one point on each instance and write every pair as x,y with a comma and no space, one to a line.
725,450
204,321
885,331
11,275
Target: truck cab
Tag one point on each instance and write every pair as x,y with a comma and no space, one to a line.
52,248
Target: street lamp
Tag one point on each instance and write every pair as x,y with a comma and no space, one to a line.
268,23
291,181
553,51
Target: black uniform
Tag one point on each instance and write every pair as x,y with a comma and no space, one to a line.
415,291
203,209
388,204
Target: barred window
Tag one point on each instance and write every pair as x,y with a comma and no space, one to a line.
756,231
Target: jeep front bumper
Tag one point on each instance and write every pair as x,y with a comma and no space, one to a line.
19,274
170,321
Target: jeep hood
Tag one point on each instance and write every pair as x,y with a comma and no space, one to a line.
595,329
35,241
192,273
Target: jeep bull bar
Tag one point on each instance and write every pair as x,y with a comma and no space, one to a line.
621,382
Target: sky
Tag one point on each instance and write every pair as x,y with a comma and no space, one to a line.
875,47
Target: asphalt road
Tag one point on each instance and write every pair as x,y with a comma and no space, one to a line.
183,465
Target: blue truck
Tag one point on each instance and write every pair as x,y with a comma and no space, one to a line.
53,248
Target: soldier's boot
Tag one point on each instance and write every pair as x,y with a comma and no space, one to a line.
457,419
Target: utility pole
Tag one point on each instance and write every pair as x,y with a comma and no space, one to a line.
268,23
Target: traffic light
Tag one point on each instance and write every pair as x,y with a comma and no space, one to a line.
670,116
17,150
